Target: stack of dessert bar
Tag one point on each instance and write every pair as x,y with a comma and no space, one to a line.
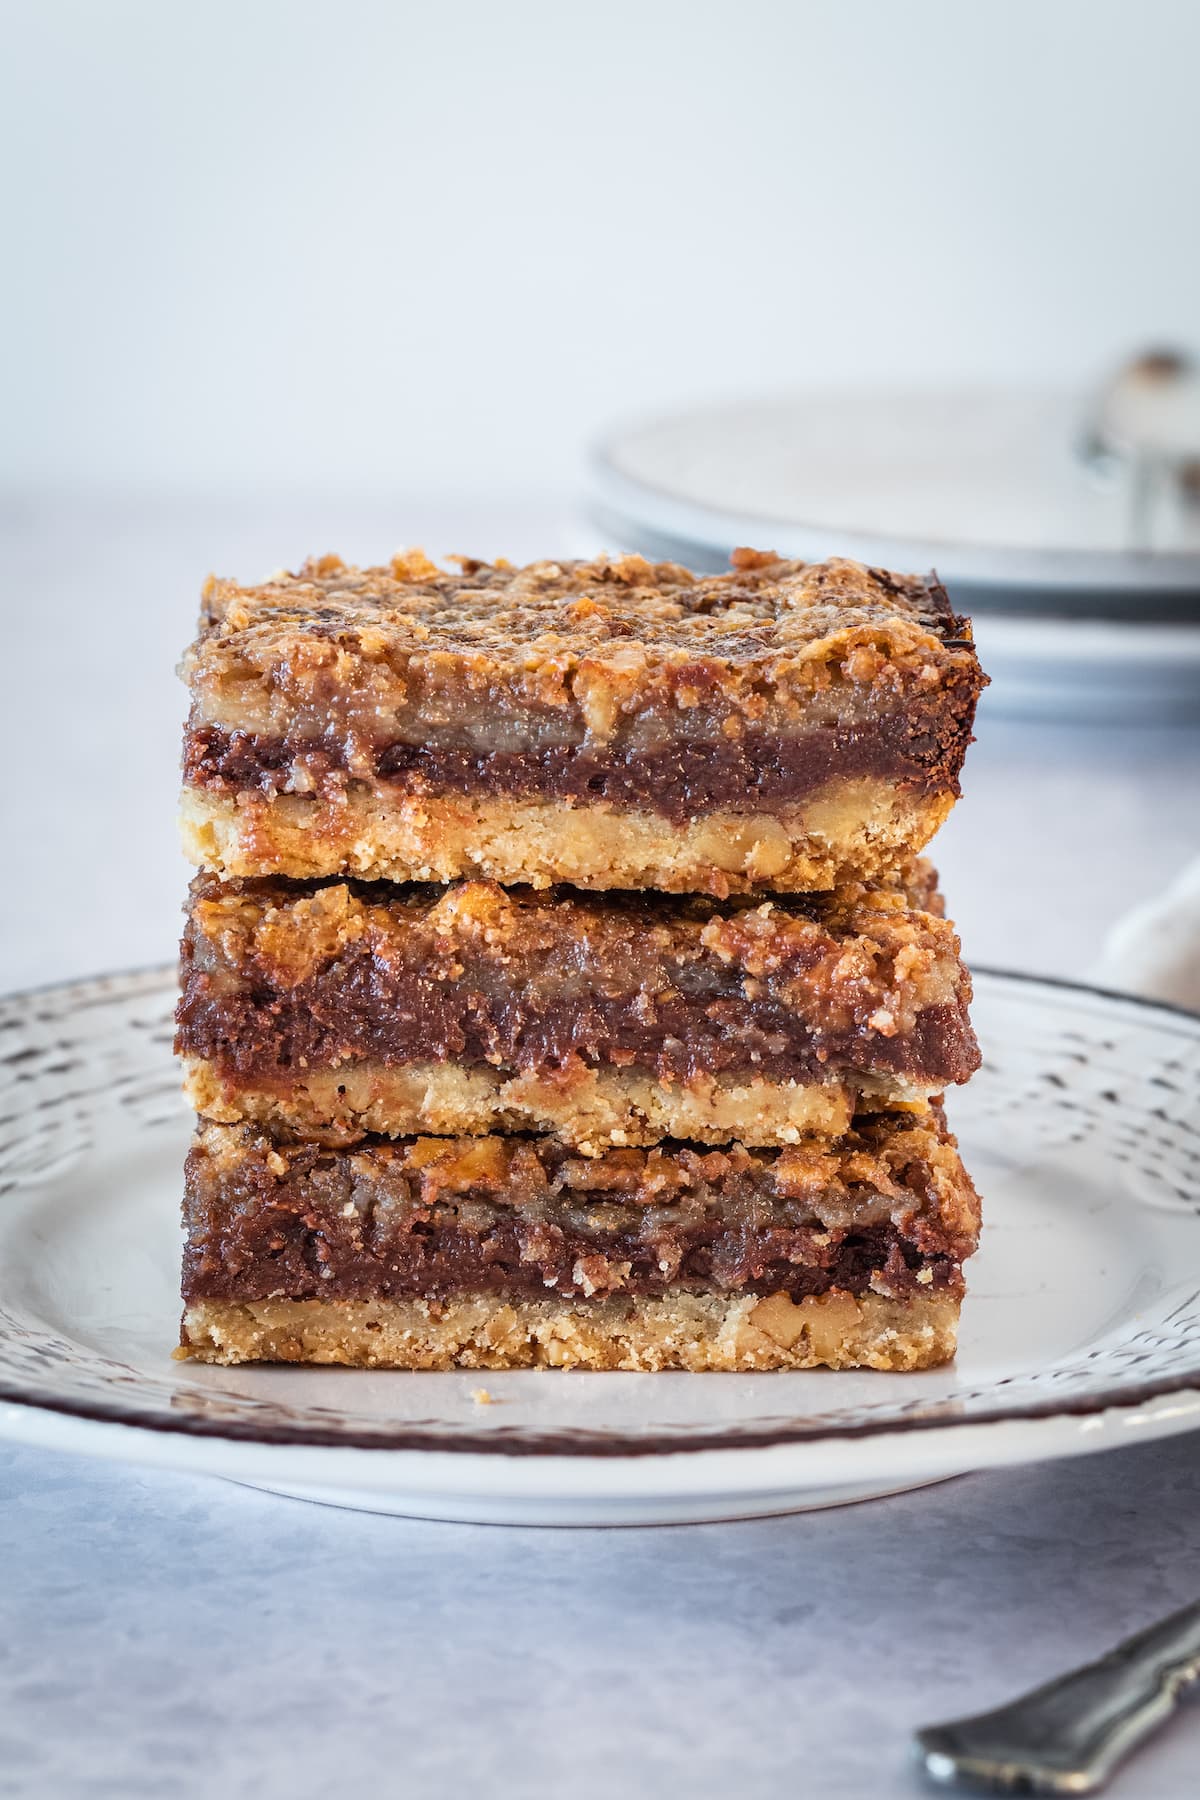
561,984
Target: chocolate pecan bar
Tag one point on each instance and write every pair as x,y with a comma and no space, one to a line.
609,724
334,1011
504,1252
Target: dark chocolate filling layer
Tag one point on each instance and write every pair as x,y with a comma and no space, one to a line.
919,749
293,1251
333,1019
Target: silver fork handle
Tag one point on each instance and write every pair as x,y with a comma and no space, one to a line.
1069,1736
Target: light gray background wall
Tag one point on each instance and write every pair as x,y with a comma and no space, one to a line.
422,247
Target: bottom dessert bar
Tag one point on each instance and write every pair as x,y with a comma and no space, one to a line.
506,1252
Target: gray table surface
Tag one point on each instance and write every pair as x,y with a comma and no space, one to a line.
169,1635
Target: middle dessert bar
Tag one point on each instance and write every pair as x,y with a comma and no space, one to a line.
331,1012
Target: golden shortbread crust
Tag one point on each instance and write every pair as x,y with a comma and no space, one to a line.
861,829
590,1110
677,1330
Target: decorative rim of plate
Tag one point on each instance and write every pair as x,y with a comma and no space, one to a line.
310,1430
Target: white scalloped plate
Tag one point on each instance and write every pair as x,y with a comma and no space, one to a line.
1081,1330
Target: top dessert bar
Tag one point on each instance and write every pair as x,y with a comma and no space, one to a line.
614,723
